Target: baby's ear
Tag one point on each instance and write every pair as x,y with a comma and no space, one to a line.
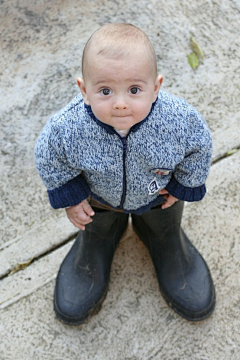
158,83
82,88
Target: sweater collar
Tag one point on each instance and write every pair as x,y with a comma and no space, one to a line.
110,129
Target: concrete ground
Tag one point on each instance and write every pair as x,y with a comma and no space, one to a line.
41,45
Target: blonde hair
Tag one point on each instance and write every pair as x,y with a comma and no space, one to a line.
116,41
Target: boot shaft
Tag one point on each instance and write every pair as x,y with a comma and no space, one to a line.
161,232
102,235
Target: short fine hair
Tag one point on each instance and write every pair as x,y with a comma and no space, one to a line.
116,41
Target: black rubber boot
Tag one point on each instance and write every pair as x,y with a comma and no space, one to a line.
183,275
83,277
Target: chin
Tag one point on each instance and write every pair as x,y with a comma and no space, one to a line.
122,127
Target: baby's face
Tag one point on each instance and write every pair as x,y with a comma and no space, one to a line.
120,91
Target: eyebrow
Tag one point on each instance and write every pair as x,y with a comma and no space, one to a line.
130,80
137,80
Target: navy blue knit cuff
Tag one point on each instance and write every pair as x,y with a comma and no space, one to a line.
69,194
185,193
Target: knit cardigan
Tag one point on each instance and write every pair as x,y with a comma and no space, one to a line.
77,155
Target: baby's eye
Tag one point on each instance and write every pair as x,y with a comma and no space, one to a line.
106,91
134,90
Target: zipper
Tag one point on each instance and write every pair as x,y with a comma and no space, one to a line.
124,142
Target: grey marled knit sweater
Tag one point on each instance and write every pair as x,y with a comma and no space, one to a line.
77,156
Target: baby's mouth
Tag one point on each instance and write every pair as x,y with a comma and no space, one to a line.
122,116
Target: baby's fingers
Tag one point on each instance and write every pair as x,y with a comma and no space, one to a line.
78,225
87,208
163,192
80,221
170,200
78,214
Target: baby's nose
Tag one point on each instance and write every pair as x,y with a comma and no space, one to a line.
120,104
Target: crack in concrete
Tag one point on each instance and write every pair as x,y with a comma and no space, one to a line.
16,268
226,155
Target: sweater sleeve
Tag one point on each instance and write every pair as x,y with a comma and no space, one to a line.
189,176
65,185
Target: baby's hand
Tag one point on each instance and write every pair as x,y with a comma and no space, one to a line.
170,200
80,214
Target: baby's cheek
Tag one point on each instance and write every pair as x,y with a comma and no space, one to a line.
101,114
143,110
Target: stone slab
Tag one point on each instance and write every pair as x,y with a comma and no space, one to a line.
35,242
41,44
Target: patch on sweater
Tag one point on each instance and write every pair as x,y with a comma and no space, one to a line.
153,187
161,171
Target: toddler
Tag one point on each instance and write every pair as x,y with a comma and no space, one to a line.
123,146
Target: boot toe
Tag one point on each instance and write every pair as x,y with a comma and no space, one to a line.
190,294
73,305
190,304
